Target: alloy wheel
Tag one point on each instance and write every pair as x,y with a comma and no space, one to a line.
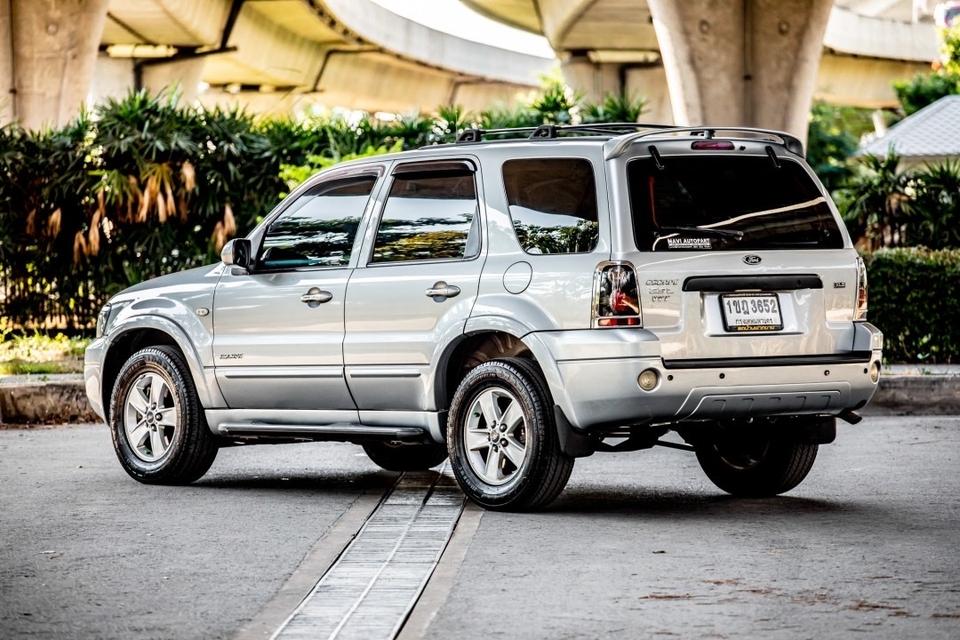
495,436
150,417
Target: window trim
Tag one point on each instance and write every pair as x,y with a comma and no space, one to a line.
424,166
374,171
513,227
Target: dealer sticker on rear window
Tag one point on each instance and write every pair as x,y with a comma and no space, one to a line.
688,243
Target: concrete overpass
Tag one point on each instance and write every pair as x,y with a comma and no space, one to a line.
272,55
736,61
716,61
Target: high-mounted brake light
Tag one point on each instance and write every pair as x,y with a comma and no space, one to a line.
712,145
616,298
861,310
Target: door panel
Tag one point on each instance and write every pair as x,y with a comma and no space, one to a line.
278,332
273,350
419,287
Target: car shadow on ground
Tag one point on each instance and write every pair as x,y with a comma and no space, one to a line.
598,500
319,481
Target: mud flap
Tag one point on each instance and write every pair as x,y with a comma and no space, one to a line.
573,442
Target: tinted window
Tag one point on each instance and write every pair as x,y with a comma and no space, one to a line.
319,228
728,203
429,216
553,204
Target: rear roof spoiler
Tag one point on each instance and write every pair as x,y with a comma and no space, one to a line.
618,146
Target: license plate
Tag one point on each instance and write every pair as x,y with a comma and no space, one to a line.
751,312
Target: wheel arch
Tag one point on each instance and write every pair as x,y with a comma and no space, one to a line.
146,331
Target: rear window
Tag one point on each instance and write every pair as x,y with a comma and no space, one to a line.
721,202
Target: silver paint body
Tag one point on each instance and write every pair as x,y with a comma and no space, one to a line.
371,355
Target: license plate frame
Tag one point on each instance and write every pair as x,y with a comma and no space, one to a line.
763,323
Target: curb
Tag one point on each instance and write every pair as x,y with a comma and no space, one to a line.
60,399
63,400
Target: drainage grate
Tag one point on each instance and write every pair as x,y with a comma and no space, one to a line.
371,588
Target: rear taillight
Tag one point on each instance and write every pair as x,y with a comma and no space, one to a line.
616,299
861,311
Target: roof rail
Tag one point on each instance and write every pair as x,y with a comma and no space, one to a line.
554,131
792,143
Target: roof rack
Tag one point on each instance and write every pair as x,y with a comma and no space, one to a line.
793,144
553,131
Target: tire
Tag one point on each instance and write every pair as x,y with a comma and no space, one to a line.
185,450
405,457
543,469
754,465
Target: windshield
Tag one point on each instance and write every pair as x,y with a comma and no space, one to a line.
724,202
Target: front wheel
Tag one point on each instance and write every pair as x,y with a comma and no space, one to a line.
158,427
502,440
755,465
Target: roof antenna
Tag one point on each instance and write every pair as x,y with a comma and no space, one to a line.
773,156
657,160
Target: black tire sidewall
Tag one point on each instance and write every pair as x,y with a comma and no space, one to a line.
783,466
405,457
168,365
499,374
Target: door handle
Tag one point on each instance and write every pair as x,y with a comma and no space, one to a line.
441,291
316,297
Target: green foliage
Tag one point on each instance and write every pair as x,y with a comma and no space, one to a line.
885,207
615,107
832,137
293,175
556,102
925,89
912,300
38,353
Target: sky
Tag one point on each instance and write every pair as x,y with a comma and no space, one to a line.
455,18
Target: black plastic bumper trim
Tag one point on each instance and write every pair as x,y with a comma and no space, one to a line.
786,282
862,357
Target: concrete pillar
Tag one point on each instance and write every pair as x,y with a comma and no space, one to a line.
185,75
741,62
650,82
594,80
51,48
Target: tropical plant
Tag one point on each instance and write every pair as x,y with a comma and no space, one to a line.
874,202
615,107
935,205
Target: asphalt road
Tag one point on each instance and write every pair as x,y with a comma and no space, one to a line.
639,545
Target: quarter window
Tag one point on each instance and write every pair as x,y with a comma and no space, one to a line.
553,204
319,228
429,215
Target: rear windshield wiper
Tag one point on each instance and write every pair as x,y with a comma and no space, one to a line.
716,233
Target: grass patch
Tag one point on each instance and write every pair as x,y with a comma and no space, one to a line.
39,353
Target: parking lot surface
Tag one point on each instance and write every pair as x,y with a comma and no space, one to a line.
639,545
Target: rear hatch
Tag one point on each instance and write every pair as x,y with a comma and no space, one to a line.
739,255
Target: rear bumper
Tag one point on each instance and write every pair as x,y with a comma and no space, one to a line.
600,392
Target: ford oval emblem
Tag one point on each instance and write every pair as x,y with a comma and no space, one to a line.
751,259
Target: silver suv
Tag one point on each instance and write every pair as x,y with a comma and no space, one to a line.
512,303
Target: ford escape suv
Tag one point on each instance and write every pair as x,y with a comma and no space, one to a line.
513,303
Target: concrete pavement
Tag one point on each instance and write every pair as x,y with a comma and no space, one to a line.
639,545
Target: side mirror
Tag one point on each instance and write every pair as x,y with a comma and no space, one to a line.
238,252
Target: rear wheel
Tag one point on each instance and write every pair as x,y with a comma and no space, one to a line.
755,465
405,457
156,421
502,440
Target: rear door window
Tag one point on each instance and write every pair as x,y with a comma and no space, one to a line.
429,215
553,204
724,203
